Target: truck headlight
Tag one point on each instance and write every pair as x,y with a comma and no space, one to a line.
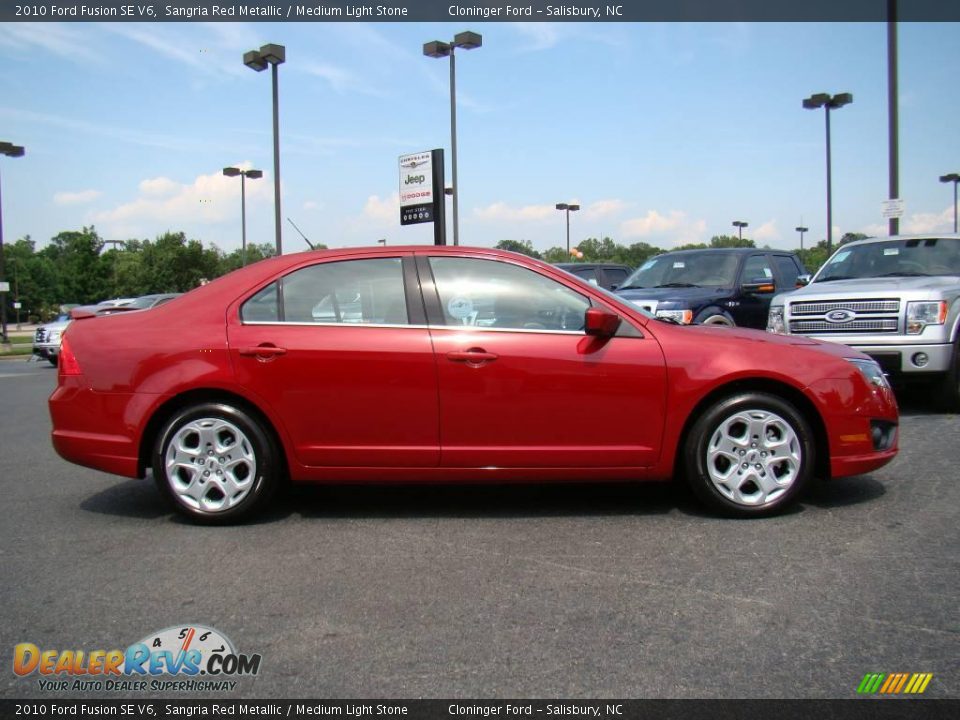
921,314
775,323
54,336
871,372
684,317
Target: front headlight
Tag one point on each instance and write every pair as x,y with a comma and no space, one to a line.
871,372
775,322
54,336
684,317
921,314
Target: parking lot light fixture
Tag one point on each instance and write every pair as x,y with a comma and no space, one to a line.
954,178
273,55
828,103
740,225
9,150
801,230
466,40
569,207
244,174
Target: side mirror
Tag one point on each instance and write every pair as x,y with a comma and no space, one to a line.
758,287
803,280
601,323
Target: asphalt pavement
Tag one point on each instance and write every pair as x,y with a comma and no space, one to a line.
572,591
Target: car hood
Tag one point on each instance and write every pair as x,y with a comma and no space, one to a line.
692,296
55,326
760,336
877,284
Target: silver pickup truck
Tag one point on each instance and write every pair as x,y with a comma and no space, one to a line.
896,299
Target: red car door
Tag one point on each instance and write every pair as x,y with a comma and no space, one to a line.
521,385
343,359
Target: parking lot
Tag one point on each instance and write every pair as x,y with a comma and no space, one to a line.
494,592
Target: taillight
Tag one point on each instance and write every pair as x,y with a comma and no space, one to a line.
67,362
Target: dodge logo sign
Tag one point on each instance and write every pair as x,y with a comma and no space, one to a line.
840,316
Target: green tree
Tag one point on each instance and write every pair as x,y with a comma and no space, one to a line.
524,247
730,241
556,255
255,253
81,274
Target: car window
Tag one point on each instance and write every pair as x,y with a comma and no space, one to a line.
685,269
588,274
368,291
487,293
789,269
757,267
616,276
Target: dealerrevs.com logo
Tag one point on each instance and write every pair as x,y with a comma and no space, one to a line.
894,683
179,658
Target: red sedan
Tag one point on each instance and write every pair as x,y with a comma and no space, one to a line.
453,364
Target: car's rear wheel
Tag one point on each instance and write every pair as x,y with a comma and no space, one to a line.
749,455
216,463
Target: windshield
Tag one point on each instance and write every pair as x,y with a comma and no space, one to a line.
694,269
894,258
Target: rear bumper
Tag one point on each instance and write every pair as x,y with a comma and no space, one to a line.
112,448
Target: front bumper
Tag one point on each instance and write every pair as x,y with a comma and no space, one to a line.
902,359
47,351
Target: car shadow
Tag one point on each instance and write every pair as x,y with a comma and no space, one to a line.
141,499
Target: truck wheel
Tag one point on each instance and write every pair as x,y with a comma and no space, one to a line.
947,392
714,316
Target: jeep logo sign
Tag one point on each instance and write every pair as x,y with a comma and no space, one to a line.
840,316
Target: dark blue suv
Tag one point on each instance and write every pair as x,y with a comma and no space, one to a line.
722,286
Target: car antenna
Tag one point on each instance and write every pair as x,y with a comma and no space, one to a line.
301,234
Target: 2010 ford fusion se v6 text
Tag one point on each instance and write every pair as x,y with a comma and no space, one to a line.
453,364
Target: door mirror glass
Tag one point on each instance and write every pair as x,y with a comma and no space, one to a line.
803,280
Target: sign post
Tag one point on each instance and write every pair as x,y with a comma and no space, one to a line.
421,192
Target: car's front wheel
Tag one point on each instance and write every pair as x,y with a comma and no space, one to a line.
216,463
749,454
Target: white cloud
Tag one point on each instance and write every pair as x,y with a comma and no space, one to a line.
766,232
76,198
603,208
383,210
164,203
501,211
674,228
56,38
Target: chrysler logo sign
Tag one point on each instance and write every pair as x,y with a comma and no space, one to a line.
840,316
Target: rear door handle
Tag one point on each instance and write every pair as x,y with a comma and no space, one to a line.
473,356
263,351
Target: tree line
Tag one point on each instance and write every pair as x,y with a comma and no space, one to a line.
78,267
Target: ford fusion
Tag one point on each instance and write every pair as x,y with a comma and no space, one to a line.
453,364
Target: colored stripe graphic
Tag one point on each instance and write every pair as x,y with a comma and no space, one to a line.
894,683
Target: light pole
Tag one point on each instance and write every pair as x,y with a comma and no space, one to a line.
828,103
273,55
10,150
740,225
954,178
801,230
244,174
569,207
438,49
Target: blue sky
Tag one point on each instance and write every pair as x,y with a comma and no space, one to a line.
664,133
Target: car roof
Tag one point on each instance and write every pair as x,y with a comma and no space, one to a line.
566,266
734,251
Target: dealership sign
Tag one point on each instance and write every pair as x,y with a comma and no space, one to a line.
416,188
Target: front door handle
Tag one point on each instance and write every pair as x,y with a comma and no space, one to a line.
263,352
473,356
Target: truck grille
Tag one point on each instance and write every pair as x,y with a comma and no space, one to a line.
880,315
40,336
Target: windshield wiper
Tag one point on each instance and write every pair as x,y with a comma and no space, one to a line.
632,287
668,319
676,285
904,274
837,277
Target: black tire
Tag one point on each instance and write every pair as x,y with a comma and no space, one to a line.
755,485
947,389
53,360
224,467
